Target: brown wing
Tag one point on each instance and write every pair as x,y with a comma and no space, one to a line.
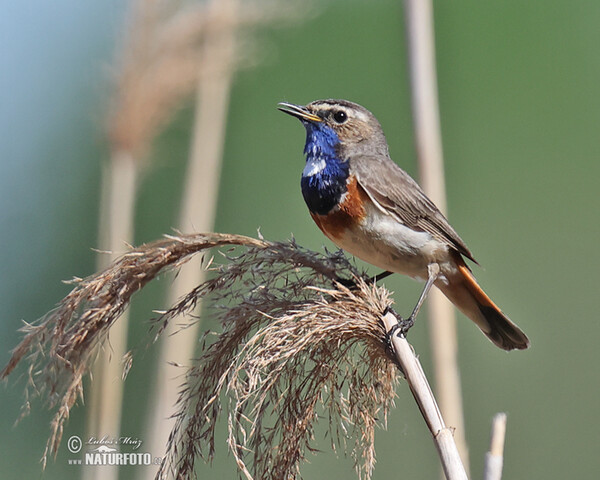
398,194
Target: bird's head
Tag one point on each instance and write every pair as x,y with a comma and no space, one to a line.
339,125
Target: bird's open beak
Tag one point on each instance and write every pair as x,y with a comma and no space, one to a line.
299,112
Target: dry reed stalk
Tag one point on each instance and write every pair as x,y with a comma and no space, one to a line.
225,48
159,67
494,458
442,320
198,204
116,230
443,436
154,75
295,344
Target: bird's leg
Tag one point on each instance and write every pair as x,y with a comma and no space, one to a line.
404,325
433,270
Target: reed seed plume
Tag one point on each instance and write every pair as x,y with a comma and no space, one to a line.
162,59
290,352
295,346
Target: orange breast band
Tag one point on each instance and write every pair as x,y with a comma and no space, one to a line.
350,210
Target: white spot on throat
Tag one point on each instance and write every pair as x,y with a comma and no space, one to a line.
314,167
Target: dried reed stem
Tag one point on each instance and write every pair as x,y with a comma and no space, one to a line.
152,77
223,50
494,458
442,321
442,436
199,199
115,232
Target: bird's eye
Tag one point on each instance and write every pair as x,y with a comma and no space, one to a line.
340,116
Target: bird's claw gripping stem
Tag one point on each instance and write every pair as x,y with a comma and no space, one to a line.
401,328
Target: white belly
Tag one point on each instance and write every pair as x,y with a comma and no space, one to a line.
383,241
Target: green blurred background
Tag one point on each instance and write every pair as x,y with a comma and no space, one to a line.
520,110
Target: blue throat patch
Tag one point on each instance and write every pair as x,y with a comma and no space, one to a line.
325,175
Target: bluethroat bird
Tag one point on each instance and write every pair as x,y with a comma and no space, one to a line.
367,205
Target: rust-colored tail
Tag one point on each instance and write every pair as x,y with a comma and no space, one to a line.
469,298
